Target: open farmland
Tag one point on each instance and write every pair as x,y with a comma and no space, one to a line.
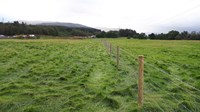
171,72
79,75
60,75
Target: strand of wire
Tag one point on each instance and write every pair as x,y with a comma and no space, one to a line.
147,94
171,76
170,96
124,64
156,104
130,54
175,83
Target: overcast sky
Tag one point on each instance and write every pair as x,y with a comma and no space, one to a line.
141,15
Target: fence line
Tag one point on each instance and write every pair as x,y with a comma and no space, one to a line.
116,52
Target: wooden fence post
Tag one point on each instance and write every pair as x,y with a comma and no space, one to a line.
140,82
117,57
110,49
107,46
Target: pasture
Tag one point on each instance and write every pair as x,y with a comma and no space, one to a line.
66,75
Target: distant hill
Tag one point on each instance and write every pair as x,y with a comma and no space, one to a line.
69,25
48,23
46,28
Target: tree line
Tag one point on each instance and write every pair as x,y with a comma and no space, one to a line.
171,35
16,28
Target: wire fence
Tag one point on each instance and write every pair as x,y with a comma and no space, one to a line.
162,91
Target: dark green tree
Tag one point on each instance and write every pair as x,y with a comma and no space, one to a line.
152,36
172,34
112,34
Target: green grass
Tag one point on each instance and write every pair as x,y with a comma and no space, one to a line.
60,75
172,72
63,75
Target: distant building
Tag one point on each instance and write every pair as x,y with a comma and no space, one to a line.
2,36
92,36
29,36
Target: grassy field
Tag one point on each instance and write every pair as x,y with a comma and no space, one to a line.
172,72
49,75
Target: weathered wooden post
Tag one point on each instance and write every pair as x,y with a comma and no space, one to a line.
117,57
110,49
140,82
104,43
107,47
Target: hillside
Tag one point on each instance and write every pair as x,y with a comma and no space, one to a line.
51,28
68,25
